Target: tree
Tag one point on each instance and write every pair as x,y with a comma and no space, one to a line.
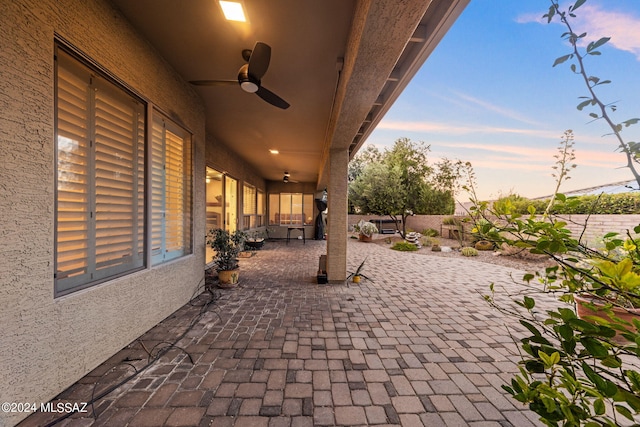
400,182
369,155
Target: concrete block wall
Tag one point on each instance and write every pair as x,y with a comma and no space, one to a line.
596,225
47,343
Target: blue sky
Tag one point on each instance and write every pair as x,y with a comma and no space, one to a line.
489,95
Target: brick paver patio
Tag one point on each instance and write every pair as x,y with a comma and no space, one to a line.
416,347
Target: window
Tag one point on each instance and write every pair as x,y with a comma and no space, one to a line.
171,191
290,209
249,206
101,153
99,206
261,209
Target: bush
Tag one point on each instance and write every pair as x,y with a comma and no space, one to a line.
404,247
430,232
603,204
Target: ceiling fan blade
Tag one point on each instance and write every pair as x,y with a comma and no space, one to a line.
259,60
213,82
272,98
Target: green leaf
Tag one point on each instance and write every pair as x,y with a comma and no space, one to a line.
562,59
594,347
530,327
624,411
529,302
534,366
597,44
599,407
577,4
612,362
584,104
550,14
634,377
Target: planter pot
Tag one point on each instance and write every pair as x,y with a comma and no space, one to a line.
364,238
583,309
254,244
228,278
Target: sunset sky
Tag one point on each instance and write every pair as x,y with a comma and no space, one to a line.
489,95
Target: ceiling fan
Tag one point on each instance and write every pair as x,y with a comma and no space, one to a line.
250,75
287,178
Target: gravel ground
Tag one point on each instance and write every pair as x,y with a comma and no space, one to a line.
490,257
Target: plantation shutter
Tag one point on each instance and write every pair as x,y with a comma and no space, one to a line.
73,180
260,203
171,192
157,189
100,178
175,208
119,131
249,209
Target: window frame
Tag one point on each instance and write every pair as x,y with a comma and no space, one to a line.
83,72
159,223
105,188
273,221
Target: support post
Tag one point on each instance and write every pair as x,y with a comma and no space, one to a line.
337,218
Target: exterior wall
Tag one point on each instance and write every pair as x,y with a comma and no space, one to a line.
222,159
48,343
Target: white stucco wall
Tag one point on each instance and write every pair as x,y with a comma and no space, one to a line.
48,343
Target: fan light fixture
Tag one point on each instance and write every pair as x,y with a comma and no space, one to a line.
286,177
247,83
233,11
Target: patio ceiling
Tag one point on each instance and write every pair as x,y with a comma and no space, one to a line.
339,63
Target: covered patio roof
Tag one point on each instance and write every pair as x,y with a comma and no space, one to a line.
340,64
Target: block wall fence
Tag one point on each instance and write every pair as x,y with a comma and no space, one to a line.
596,225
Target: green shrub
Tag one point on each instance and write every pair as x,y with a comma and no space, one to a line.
430,232
603,204
449,220
404,246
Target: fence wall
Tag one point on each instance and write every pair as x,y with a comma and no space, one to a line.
596,225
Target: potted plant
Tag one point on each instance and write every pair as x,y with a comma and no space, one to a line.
365,230
226,246
255,241
357,275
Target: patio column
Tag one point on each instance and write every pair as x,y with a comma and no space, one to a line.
337,219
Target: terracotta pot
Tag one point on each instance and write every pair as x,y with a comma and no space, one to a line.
583,310
228,278
364,238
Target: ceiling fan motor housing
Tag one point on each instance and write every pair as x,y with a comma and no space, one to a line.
247,82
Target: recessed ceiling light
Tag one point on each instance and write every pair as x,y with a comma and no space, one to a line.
233,11
272,151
